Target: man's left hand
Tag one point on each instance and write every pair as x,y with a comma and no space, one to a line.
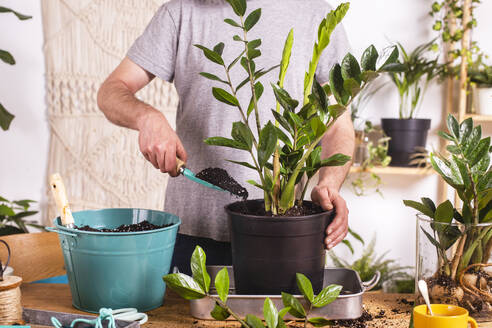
329,198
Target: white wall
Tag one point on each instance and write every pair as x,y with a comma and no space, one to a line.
25,146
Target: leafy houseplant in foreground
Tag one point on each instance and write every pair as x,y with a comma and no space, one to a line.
198,286
408,133
288,147
461,238
283,152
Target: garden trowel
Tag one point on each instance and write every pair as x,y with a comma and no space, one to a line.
60,195
181,169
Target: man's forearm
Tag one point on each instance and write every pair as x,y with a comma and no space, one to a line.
121,107
339,139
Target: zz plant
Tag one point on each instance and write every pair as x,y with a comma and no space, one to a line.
198,287
466,169
284,150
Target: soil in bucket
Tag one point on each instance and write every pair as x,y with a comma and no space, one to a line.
222,179
142,226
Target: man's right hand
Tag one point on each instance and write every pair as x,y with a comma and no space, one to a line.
159,143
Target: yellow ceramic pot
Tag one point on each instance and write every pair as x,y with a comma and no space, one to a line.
445,316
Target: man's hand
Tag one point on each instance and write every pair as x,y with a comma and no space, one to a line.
329,198
159,143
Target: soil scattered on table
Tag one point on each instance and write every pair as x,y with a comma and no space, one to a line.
222,179
356,323
142,226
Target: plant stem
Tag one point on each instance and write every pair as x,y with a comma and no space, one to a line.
228,309
457,256
233,90
251,81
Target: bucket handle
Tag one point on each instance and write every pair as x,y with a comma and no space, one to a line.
368,285
61,232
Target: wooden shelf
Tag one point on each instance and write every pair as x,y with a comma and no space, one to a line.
477,118
396,170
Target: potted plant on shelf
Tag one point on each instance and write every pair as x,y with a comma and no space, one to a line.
13,214
266,234
407,132
480,75
455,244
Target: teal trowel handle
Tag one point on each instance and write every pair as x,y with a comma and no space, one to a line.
181,168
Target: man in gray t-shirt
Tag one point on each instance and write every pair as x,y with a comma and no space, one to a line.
166,50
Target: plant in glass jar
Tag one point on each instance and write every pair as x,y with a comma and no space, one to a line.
455,244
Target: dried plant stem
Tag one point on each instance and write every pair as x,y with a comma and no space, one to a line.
457,256
465,46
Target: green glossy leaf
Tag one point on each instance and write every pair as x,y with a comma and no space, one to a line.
236,60
212,77
247,64
431,239
319,322
336,85
245,164
222,284
6,210
239,6
211,55
442,168
283,137
219,48
258,92
267,143
252,19
351,86
225,97
254,44
199,268
466,128
429,203
284,99
392,58
480,151
368,76
356,236
237,38
241,133
445,135
318,127
305,287
19,15
254,322
419,207
369,59
453,126
349,245
225,142
350,68
393,68
6,57
219,313
327,295
232,22
296,309
256,184
335,160
284,63
444,212
270,313
5,118
184,285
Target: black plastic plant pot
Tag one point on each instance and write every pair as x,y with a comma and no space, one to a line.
407,137
267,252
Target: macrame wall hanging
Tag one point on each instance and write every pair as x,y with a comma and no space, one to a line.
101,163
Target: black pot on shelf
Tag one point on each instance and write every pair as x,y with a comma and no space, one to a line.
267,252
407,136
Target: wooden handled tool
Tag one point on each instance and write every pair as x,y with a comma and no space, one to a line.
180,166
58,189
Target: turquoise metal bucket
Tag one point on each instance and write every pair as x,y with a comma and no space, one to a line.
117,270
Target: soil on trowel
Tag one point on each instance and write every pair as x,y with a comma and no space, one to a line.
222,179
142,226
258,208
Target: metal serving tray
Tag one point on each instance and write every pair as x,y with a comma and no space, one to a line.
347,306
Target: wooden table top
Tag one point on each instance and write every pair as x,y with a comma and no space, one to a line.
388,310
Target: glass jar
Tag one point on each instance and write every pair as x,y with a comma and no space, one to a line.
361,152
454,260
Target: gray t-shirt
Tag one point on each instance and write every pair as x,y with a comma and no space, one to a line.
166,50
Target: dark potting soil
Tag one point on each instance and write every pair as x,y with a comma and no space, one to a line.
258,209
142,226
355,323
442,280
222,179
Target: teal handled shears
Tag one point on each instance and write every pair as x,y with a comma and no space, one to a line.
109,315
181,169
